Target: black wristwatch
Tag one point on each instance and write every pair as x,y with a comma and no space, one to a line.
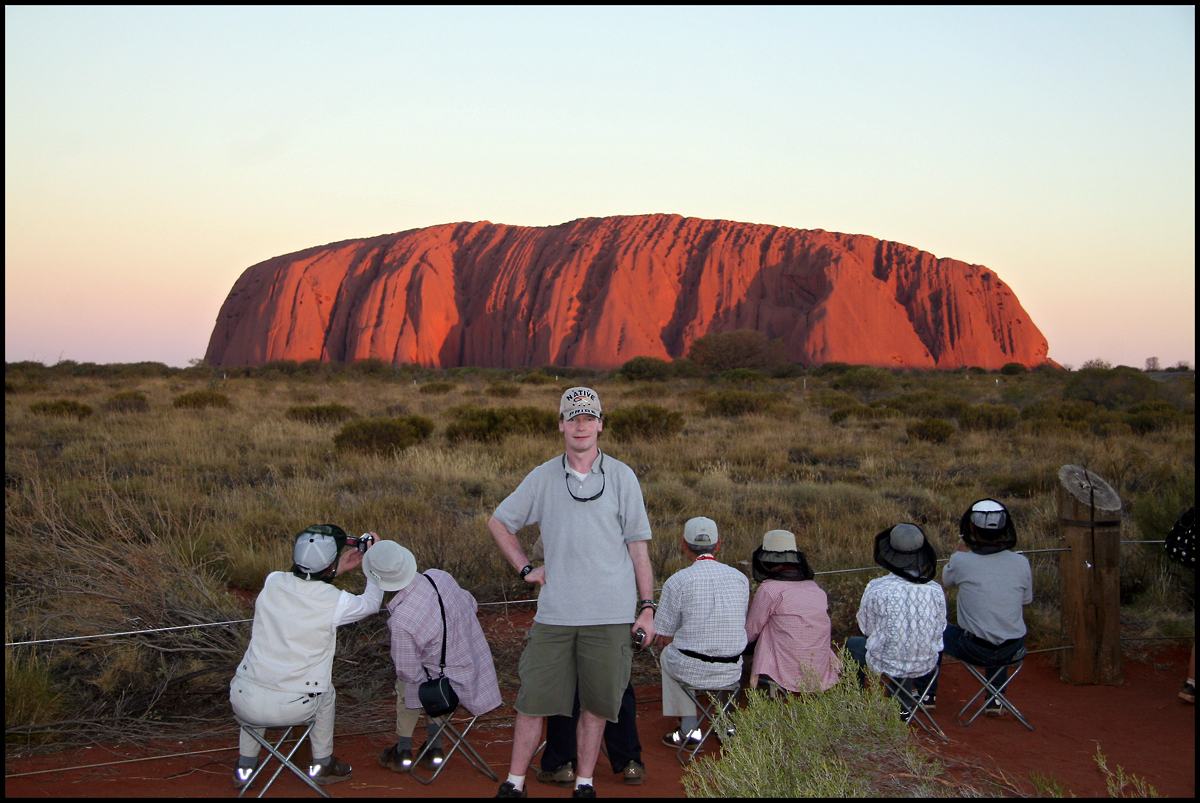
528,568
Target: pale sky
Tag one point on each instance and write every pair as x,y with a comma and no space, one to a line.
153,154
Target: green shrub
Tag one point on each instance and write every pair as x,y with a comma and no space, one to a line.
742,348
535,378
320,413
503,390
832,400
927,404
1013,368
130,401
832,368
844,742
1115,389
865,379
642,422
734,403
787,370
683,368
645,369
742,376
934,430
372,366
198,399
437,388
1152,416
383,435
63,408
988,416
487,424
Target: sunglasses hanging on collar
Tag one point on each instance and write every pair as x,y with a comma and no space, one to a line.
567,480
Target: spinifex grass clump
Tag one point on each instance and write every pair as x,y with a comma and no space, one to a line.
383,435
320,413
490,424
733,403
934,430
436,388
643,421
62,408
199,399
841,743
130,401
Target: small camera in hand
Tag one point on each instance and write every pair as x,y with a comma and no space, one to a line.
361,543
639,639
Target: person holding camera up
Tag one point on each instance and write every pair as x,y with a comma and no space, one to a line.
703,607
286,673
596,588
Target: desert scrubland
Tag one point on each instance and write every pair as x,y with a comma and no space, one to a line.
140,497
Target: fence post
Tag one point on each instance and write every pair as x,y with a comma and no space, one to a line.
1089,524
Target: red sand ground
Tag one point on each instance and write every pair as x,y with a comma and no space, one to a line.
1140,725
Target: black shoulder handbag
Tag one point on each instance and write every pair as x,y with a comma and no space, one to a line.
436,696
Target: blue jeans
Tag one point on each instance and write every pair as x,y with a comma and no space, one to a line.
857,647
956,644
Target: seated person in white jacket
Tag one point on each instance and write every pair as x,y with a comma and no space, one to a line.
286,673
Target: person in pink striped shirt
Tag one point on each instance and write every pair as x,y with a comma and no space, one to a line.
788,622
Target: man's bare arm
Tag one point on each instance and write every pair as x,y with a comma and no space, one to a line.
510,547
644,573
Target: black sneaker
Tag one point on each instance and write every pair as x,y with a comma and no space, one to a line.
508,790
396,760
584,790
333,772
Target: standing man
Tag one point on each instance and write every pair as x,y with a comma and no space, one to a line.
596,588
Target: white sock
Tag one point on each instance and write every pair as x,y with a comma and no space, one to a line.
580,781
518,781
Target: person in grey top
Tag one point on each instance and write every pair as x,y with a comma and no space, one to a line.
994,585
596,588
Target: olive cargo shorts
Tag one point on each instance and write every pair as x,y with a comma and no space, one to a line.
556,657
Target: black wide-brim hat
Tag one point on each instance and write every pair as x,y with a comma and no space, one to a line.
766,565
987,527
916,566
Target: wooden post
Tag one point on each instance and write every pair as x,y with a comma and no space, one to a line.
1089,524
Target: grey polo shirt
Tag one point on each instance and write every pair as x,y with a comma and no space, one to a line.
589,573
992,590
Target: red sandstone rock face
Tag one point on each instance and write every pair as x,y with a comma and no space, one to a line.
597,292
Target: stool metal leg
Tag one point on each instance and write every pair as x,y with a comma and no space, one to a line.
460,740
915,706
284,761
993,693
716,702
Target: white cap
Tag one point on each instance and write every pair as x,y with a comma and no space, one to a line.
579,401
700,531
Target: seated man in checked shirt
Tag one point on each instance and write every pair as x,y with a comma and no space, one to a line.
704,608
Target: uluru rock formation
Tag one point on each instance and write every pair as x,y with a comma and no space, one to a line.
597,292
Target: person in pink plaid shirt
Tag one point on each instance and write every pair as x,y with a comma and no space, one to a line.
788,622
416,627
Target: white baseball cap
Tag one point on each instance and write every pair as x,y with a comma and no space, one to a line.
579,401
701,531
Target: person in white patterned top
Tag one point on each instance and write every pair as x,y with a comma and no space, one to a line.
903,614
703,607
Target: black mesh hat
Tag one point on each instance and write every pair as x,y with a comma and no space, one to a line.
905,551
779,559
987,527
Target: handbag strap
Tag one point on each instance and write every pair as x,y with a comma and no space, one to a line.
442,665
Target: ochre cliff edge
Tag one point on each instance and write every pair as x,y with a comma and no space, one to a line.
597,292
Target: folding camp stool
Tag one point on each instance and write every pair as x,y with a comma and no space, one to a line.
914,705
992,692
273,750
458,739
715,703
